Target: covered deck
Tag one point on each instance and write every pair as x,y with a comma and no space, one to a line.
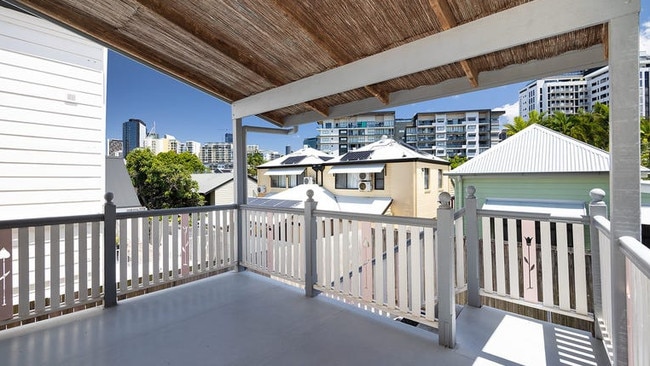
247,319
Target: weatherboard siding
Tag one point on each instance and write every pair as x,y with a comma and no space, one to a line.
531,186
52,120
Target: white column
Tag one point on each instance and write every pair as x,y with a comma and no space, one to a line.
624,174
240,175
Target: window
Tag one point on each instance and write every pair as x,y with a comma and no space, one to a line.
278,181
425,176
379,180
439,178
340,181
294,180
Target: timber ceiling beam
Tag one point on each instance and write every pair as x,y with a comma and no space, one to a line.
334,54
447,21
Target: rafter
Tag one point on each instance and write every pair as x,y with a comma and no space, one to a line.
447,21
334,54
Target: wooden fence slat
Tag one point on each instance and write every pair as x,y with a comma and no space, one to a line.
500,259
321,251
378,277
69,264
135,251
345,251
83,261
416,271
355,251
327,252
460,253
55,267
338,265
39,269
175,242
124,252
579,266
146,246
402,268
547,263
429,274
23,272
165,246
563,265
487,255
97,258
513,258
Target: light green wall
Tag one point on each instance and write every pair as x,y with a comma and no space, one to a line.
535,186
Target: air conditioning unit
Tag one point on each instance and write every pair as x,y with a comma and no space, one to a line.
308,180
365,186
363,176
261,189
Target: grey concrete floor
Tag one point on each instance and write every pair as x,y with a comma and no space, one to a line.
247,319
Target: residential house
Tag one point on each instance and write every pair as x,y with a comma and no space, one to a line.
291,170
389,168
218,188
119,183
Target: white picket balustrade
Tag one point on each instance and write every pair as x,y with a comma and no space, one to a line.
174,244
387,263
537,261
273,242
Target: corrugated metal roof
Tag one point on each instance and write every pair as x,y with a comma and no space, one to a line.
210,181
537,149
118,181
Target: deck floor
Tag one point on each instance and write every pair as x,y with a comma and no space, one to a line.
247,319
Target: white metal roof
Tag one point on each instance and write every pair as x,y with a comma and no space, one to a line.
389,149
537,149
311,156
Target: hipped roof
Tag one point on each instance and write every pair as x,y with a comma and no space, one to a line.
292,62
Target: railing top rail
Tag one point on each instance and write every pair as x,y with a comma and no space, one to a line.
532,216
294,211
637,253
173,211
460,213
383,219
42,221
602,224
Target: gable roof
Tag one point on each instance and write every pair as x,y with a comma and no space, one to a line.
386,149
211,181
537,149
273,59
303,157
119,182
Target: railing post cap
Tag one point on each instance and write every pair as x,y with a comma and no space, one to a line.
109,197
597,195
470,191
310,195
445,200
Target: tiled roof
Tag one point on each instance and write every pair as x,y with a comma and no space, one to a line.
537,149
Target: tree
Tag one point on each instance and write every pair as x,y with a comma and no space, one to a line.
457,161
253,160
164,180
645,141
519,123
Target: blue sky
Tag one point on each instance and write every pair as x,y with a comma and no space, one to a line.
137,91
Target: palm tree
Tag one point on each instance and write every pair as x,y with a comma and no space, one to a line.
645,141
519,123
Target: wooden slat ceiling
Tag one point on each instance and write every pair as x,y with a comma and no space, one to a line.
238,48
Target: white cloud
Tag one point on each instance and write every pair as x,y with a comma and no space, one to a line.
512,111
644,38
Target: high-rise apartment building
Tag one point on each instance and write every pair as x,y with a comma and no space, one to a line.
216,153
443,134
134,131
192,147
228,137
570,93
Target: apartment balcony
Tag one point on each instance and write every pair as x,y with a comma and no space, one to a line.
254,265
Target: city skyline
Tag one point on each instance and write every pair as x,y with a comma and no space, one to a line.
175,108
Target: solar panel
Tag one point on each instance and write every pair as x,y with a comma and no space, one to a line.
356,155
293,160
326,158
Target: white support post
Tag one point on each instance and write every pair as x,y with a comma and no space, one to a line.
241,181
110,287
471,241
597,207
311,276
446,280
624,176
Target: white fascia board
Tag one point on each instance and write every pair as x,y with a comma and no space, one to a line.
570,61
519,25
285,171
356,168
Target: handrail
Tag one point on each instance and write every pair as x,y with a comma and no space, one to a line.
603,225
43,221
460,213
173,211
384,219
294,211
531,216
637,253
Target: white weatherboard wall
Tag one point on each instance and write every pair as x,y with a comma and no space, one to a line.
52,120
